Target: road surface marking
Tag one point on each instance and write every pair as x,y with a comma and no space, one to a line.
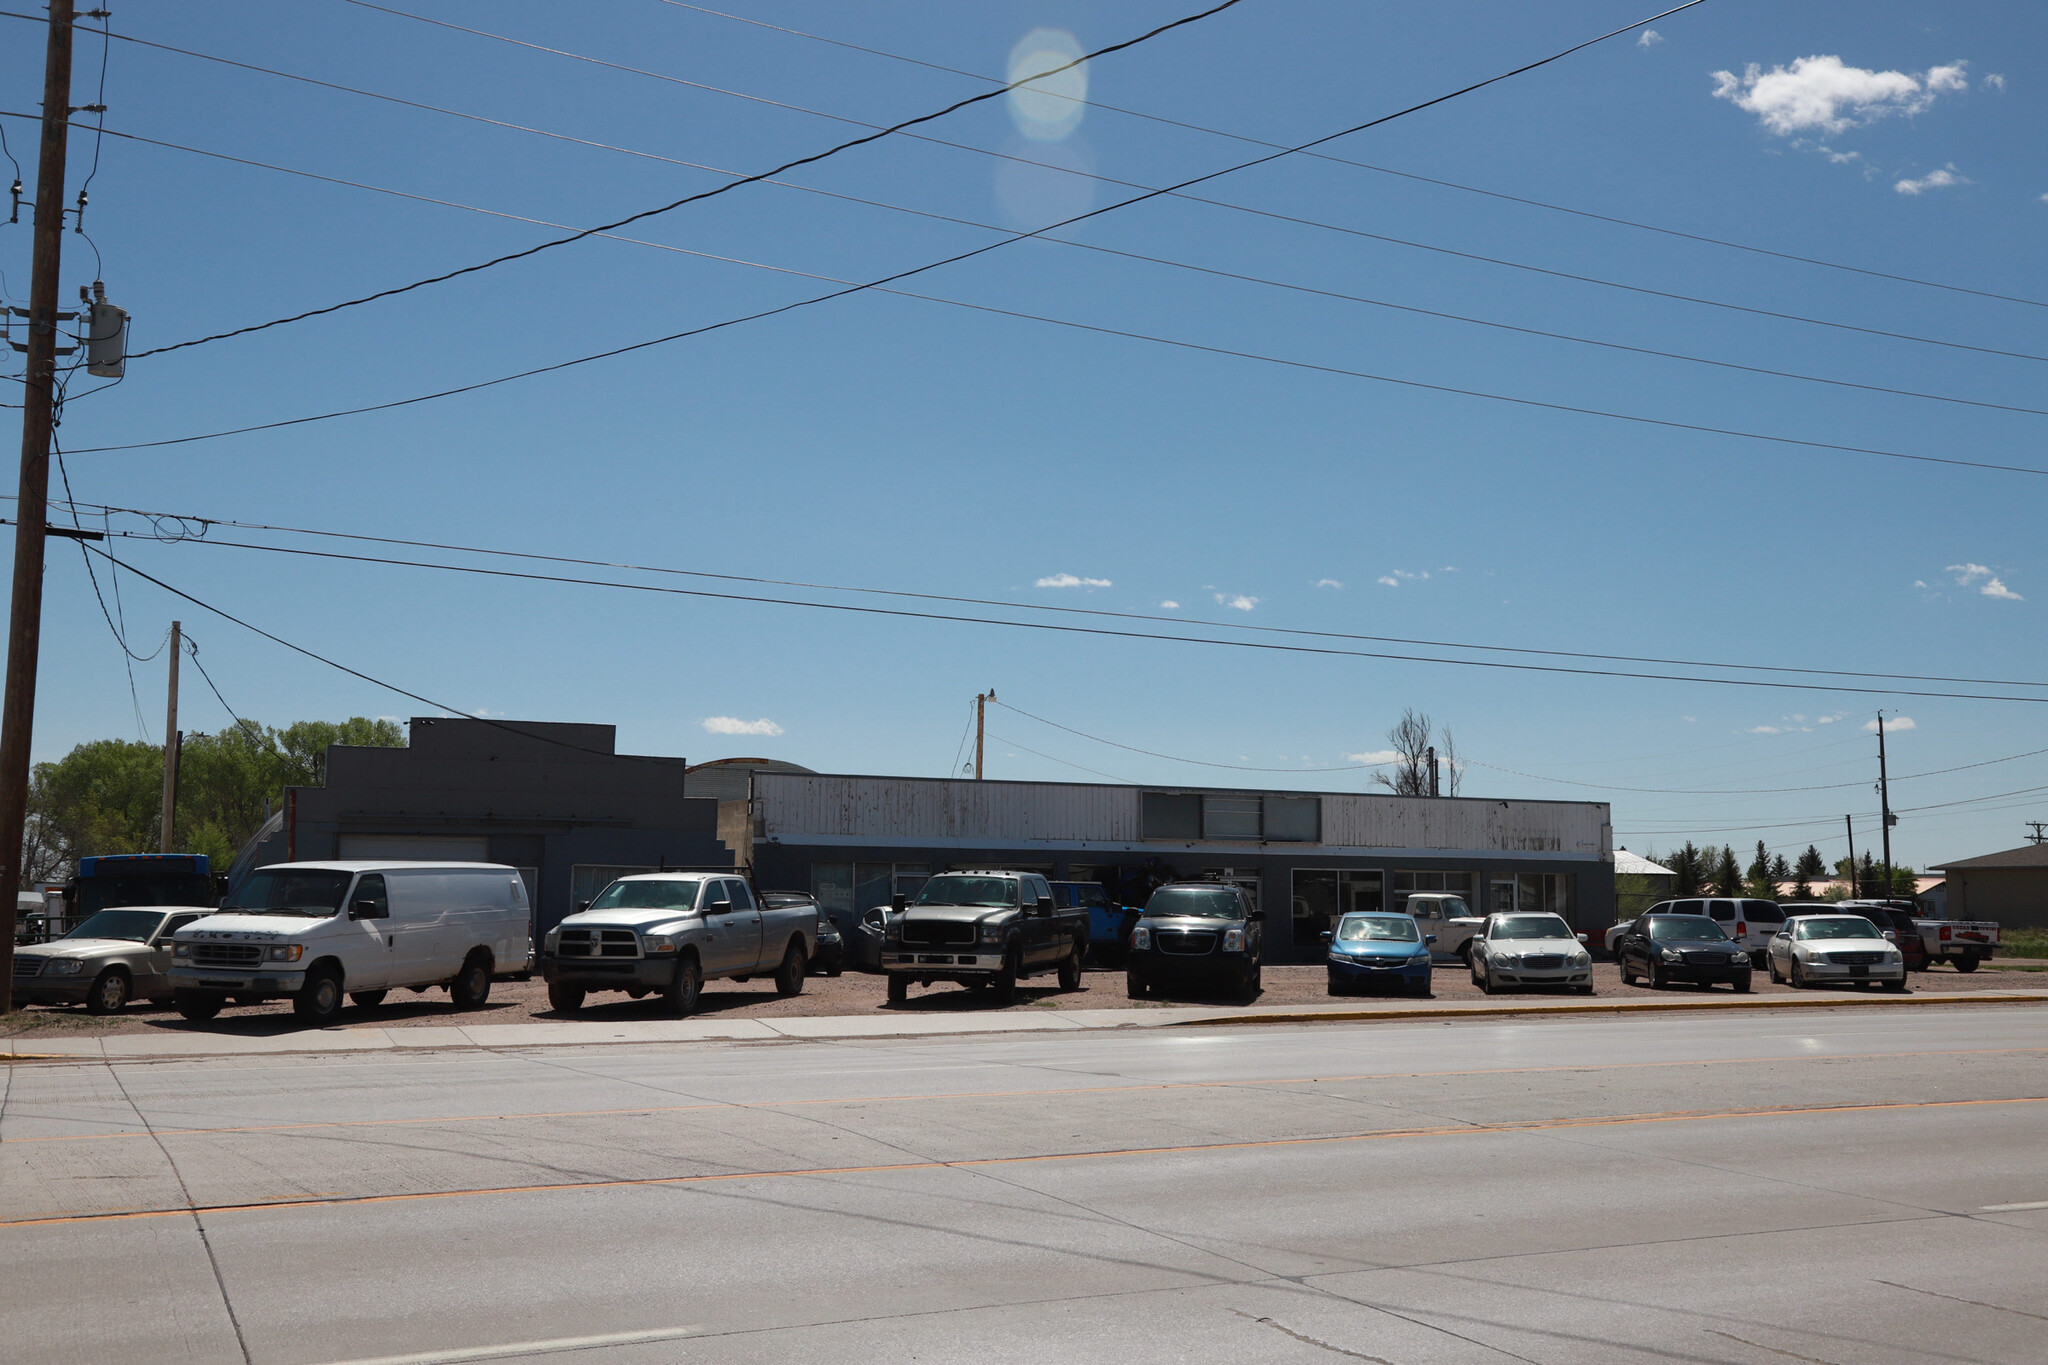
528,1348
969,1163
2014,1208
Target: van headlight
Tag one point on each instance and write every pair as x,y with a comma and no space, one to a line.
1141,937
287,952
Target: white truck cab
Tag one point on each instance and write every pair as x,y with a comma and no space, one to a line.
322,932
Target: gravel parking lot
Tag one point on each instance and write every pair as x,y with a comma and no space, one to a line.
856,993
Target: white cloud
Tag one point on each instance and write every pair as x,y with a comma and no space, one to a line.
1919,583
1828,720
1650,38
1169,605
1067,580
1967,573
733,725
1995,81
1394,582
1822,93
1394,578
1997,589
1236,600
1892,725
1328,583
1374,756
1938,179
1839,158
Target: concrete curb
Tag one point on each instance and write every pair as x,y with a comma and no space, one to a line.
138,1047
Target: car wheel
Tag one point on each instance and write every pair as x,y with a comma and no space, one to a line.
1657,981
683,993
1336,989
472,985
564,998
1070,969
1004,987
1472,966
1771,966
319,1000
1967,963
1134,986
1586,989
899,988
1741,984
1421,989
1628,976
1485,979
1798,977
198,1006
109,992
1896,986
367,1000
1248,986
789,977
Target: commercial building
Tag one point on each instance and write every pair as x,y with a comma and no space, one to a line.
1306,856
2010,887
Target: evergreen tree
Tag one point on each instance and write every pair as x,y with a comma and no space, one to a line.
1688,870
1727,873
1758,882
1811,864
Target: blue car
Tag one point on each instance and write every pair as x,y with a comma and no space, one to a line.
1378,952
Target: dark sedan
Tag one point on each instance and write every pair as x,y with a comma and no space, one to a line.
1690,948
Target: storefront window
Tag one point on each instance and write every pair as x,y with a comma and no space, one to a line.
1321,897
1457,883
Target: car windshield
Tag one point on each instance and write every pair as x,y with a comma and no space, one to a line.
1387,928
1688,928
953,890
311,893
1838,926
1203,902
134,925
657,895
1529,926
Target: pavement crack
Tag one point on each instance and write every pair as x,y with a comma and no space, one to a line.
1313,1341
1789,1355
1974,1303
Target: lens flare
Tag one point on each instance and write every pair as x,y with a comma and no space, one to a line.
1047,110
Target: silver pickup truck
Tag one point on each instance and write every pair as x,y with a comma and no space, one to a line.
667,933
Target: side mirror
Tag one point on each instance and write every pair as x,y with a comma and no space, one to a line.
1326,936
1045,905
1892,936
718,908
1584,939
581,906
1257,917
366,909
899,901
1429,938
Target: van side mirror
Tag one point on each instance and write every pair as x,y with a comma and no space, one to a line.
367,909
899,901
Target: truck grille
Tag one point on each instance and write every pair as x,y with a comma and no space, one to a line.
598,943
1855,959
1189,942
1543,961
27,966
937,931
226,954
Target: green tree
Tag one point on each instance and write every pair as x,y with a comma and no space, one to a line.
1688,870
1759,882
1811,864
1727,878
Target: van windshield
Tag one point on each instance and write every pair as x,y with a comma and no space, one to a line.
309,893
658,895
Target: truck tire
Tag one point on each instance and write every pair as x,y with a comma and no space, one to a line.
1004,987
472,985
1135,987
564,998
366,1000
198,1006
681,995
109,992
789,977
1967,962
899,988
319,1000
1070,968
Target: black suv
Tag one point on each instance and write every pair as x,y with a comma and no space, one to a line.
1196,935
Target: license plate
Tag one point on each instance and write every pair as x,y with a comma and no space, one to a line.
1859,971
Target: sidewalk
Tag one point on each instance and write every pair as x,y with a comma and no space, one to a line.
880,1025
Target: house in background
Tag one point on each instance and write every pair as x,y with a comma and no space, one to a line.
2010,887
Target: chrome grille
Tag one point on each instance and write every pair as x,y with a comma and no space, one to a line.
226,954
1855,959
1187,941
27,966
937,931
598,943
1543,961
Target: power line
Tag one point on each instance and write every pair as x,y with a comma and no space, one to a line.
1106,631
183,520
1238,276
1381,170
715,191
1064,763
1171,758
1754,791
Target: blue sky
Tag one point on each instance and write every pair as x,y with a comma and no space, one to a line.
906,444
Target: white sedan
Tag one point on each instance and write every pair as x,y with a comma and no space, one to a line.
1530,950
1814,950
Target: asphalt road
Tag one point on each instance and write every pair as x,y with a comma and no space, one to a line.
1749,1189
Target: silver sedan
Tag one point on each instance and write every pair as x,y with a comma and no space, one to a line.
1816,950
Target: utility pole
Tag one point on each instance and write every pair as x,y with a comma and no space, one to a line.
981,701
1855,882
2040,834
39,393
174,742
1884,806
1431,751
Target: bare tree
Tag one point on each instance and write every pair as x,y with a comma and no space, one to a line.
1409,739
1454,776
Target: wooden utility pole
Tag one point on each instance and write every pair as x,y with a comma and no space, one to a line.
24,626
1432,770
174,742
1884,807
981,701
1855,882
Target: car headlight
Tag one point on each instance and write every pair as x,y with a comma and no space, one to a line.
64,966
1419,959
1141,937
1671,955
181,950
287,952
1582,958
1233,940
654,944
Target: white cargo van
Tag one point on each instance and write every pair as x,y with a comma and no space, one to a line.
319,932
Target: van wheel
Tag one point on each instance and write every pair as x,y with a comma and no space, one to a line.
1070,968
564,998
319,1000
198,1006
899,988
367,1000
109,992
789,977
472,985
683,993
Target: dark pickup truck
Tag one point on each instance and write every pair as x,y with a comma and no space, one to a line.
985,930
